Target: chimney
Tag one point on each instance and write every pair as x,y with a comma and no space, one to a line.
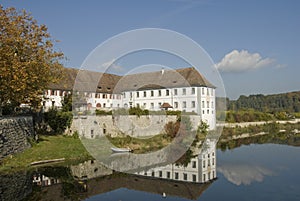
162,71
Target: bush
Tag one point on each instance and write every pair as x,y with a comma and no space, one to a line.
103,112
138,111
58,120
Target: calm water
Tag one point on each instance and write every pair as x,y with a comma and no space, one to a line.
253,172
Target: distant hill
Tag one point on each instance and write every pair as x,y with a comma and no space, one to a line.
288,102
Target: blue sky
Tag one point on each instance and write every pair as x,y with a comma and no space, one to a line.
254,43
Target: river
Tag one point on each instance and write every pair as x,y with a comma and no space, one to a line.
248,172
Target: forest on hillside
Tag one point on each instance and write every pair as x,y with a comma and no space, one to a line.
260,107
285,102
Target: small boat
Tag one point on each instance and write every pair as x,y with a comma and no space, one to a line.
120,150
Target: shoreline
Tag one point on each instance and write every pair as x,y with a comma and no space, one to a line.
254,123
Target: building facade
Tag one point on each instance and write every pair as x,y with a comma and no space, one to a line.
183,89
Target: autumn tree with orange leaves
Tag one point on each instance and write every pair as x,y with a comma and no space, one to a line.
28,61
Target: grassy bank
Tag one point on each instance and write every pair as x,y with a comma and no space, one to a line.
142,145
48,148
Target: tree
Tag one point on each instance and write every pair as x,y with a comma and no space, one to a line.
28,62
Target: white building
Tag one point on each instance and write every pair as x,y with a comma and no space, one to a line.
183,89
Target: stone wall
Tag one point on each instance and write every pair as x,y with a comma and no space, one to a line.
14,133
132,125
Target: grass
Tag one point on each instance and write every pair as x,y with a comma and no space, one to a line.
139,145
49,147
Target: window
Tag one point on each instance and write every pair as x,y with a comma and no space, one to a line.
203,163
145,173
194,164
175,92
137,94
153,173
159,104
152,93
184,176
176,175
130,94
145,105
92,133
183,91
145,93
159,92
193,104
213,161
175,104
194,178
207,111
184,104
168,175
138,105
193,90
208,175
160,173
212,104
111,105
203,105
203,112
104,104
167,92
207,91
202,91
204,179
207,104
152,105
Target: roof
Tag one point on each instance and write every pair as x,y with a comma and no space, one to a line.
166,105
110,83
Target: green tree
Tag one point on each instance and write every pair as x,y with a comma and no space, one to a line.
28,62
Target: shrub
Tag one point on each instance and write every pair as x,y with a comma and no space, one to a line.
58,120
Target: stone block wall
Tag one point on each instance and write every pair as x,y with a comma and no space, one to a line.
132,125
14,133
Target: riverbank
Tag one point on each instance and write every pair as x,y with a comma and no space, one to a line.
49,148
252,129
246,124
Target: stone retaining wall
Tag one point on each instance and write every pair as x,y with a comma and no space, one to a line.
132,125
14,133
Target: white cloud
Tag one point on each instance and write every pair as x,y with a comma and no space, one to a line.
238,61
113,66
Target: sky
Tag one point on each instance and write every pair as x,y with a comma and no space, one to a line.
254,44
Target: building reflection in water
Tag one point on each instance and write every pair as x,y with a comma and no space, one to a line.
91,178
42,180
200,169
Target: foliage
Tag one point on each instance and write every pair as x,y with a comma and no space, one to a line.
288,102
138,111
172,128
67,103
247,116
58,120
103,112
28,61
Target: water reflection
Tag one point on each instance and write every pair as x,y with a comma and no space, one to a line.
238,173
259,172
78,182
